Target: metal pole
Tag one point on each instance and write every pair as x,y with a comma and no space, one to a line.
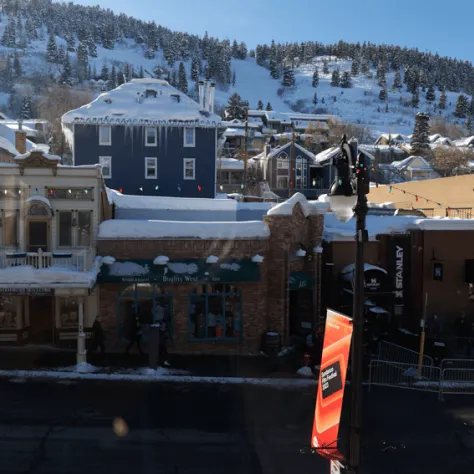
246,149
358,328
292,164
422,337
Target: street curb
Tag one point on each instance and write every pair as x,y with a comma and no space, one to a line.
51,375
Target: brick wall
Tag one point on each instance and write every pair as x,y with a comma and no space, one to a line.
265,305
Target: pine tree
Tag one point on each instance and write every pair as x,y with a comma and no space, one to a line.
235,49
335,79
288,77
346,81
234,107
141,74
420,142
243,51
383,94
17,65
182,79
150,53
66,75
195,69
26,112
104,72
233,78
469,124
381,71
120,78
127,72
92,49
61,56
71,43
112,82
442,100
315,82
174,78
415,99
355,67
430,94
364,66
52,50
315,99
462,106
323,100
397,81
386,107
325,67
471,107
269,107
260,105
275,71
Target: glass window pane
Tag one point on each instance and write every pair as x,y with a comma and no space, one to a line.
189,169
8,312
65,229
84,231
150,136
68,311
151,171
189,136
104,134
11,228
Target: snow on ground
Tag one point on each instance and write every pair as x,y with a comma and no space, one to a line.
160,375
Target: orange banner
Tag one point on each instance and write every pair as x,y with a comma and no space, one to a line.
332,379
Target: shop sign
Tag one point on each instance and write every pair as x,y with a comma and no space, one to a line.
27,291
372,283
179,272
301,281
399,260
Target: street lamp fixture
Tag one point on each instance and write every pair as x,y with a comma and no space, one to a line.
345,201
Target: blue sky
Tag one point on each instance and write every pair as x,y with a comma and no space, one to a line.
436,25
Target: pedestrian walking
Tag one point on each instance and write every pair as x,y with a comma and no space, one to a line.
163,344
135,335
98,337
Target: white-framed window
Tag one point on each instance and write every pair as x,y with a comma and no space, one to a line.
282,161
151,168
106,164
105,135
189,168
282,182
189,136
151,136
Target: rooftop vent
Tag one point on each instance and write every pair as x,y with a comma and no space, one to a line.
151,93
176,97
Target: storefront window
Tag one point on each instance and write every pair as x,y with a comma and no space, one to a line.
215,312
84,221
152,304
68,311
8,312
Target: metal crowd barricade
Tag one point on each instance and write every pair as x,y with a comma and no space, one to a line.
457,364
459,381
405,375
393,352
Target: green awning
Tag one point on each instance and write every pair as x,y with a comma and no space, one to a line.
177,272
301,281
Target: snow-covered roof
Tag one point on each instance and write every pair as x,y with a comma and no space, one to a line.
308,207
345,231
443,223
145,230
413,163
143,102
394,137
8,134
330,153
275,151
289,117
239,132
468,141
24,156
37,197
239,124
12,124
230,164
8,146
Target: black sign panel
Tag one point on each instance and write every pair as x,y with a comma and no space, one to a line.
331,379
399,264
27,291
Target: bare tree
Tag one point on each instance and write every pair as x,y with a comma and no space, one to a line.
450,130
337,128
318,135
451,161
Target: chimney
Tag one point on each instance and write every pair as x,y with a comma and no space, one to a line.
207,93
20,139
201,95
212,93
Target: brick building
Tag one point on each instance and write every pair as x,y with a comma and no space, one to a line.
208,279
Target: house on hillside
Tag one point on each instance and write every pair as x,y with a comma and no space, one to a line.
234,143
465,142
415,168
392,139
149,138
292,167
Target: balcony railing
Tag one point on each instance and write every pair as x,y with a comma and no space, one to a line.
461,212
78,261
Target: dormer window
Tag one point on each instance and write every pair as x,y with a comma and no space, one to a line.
150,136
105,135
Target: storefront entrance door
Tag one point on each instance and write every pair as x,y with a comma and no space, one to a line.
38,236
41,320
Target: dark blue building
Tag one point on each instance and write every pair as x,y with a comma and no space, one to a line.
149,138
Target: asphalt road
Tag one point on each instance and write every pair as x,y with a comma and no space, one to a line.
100,427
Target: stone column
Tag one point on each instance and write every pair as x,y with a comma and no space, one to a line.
81,337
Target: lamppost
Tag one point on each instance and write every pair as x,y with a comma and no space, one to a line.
345,201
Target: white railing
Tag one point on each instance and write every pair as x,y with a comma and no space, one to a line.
80,260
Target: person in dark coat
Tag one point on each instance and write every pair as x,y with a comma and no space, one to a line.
98,337
163,347
135,335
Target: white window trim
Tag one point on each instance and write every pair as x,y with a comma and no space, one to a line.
155,143
109,142
194,168
155,160
194,137
101,159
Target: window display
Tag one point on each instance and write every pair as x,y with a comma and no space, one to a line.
8,312
68,311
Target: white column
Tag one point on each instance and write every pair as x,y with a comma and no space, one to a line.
81,337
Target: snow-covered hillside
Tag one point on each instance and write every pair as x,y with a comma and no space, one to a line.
359,104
